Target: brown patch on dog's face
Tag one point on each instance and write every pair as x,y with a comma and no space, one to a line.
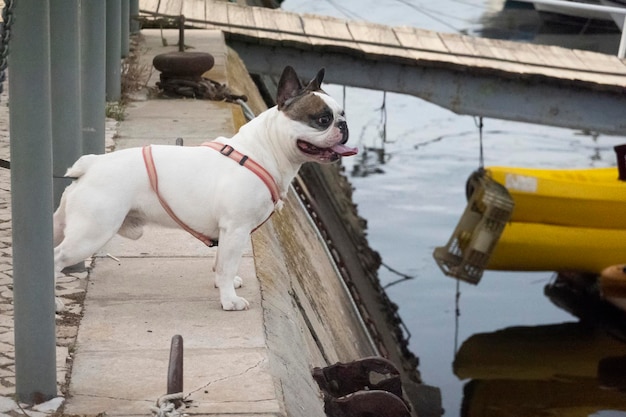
311,110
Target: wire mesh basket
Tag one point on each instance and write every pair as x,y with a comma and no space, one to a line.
489,208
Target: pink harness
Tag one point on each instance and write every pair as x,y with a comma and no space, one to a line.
225,150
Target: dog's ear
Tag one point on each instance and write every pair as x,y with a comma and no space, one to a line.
316,83
289,87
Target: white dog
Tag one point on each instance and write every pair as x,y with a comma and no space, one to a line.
222,191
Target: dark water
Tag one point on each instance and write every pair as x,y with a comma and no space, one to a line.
519,354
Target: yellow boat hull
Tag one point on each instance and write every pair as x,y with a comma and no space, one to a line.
543,247
582,198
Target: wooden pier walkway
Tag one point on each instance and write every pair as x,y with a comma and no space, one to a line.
468,75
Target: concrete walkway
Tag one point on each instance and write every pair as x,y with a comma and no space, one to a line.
161,285
141,293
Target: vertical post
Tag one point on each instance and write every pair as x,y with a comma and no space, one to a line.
113,50
93,79
65,91
181,33
134,14
621,52
31,190
125,34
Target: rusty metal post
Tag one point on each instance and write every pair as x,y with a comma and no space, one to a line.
181,33
31,192
175,369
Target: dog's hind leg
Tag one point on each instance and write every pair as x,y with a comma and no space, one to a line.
86,231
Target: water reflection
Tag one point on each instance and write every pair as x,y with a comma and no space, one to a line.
422,156
567,369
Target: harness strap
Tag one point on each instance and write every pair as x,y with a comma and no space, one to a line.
225,150
251,164
154,184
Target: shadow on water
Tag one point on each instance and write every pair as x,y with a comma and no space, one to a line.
566,369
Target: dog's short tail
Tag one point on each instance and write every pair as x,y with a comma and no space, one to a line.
80,167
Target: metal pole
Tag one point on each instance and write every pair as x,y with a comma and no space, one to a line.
93,79
31,191
134,13
621,52
65,89
579,6
175,368
125,34
113,50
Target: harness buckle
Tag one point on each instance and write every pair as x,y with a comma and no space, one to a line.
227,150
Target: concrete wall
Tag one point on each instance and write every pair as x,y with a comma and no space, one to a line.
310,319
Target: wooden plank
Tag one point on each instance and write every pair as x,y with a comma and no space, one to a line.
330,33
568,58
195,10
404,45
267,24
546,56
420,39
292,28
508,61
423,45
217,12
149,5
376,39
465,52
531,55
242,20
171,7
601,63
492,56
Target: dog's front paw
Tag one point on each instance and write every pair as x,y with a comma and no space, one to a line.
235,304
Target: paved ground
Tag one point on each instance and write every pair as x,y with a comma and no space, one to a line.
120,360
236,363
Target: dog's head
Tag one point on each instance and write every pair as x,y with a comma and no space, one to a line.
320,130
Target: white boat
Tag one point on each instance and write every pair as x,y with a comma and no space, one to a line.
568,11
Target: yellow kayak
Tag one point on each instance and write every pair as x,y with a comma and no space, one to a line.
583,198
545,247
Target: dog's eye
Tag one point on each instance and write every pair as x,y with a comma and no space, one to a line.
324,120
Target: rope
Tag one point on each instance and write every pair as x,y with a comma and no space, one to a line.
481,157
383,117
166,406
247,111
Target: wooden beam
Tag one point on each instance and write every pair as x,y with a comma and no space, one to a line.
525,98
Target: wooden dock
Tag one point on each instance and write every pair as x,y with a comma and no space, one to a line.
468,75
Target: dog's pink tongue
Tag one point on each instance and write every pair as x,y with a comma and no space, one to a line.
344,150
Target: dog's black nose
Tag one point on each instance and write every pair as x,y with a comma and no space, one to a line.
343,128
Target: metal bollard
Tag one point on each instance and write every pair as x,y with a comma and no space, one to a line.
175,369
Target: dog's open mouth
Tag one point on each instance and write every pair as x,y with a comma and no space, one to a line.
333,153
